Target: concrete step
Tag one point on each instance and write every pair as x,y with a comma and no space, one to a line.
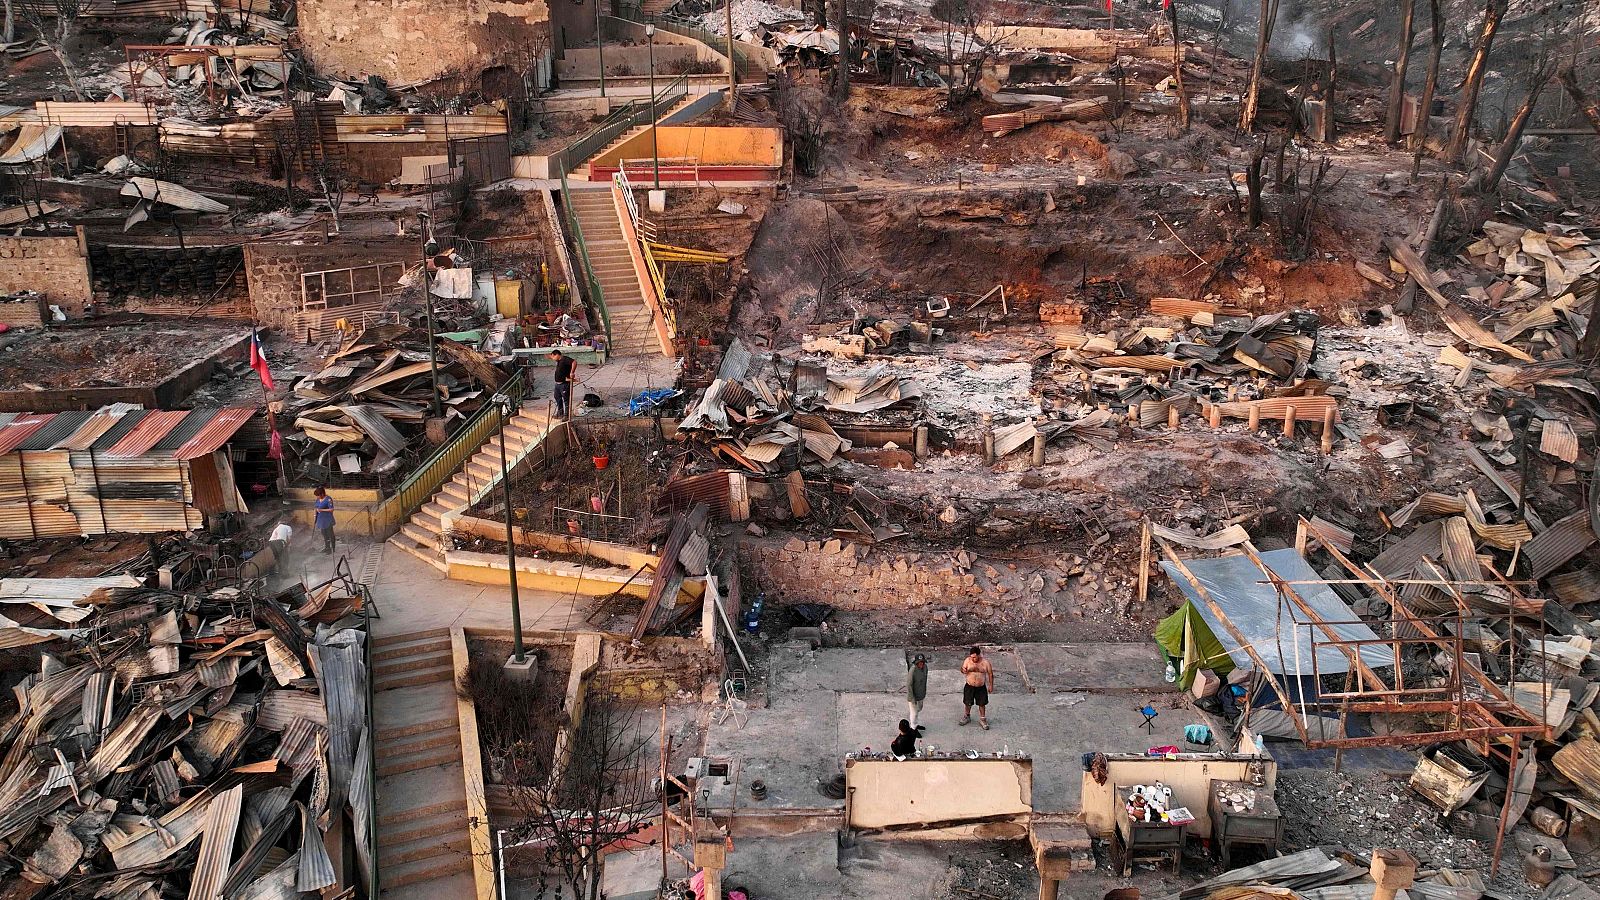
428,521
423,743
431,827
452,493
433,675
428,647
411,762
394,877
401,732
411,547
421,535
390,641
413,851
414,814
434,509
421,659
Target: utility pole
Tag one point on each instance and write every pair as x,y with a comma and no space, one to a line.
428,250
733,66
655,139
600,39
517,651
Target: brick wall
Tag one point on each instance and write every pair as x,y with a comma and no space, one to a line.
274,270
57,267
418,40
854,576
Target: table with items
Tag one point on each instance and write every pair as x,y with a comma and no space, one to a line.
1149,826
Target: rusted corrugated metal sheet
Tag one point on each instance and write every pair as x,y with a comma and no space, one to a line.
56,430
98,425
149,432
685,491
1579,761
1563,540
214,433
21,428
120,430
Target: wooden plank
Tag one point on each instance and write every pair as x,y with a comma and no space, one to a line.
90,115
585,660
472,774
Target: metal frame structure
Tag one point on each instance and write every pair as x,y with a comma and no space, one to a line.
1467,706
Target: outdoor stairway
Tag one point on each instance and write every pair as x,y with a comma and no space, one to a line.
423,842
633,331
422,535
581,173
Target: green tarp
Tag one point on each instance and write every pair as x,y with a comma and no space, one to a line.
1187,639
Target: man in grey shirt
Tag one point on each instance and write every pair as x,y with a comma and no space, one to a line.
916,687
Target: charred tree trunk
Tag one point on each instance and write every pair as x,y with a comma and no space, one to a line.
1493,13
1177,69
1419,137
1252,182
1252,97
1397,85
1591,108
1330,126
1519,121
841,86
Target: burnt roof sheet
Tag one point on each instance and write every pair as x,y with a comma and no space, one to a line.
21,428
215,432
183,432
151,429
57,430
119,431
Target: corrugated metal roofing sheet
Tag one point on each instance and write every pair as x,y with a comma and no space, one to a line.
214,433
21,428
149,432
119,431
57,430
99,423
181,433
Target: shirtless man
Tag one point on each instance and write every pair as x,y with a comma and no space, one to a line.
980,681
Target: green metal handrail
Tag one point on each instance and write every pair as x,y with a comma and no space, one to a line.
621,119
596,295
438,468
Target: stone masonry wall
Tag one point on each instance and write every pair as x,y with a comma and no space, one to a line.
854,576
57,267
407,41
273,270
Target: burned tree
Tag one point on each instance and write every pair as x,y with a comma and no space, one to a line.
1590,106
601,795
56,21
1502,159
1494,11
1252,97
1397,83
964,51
1430,83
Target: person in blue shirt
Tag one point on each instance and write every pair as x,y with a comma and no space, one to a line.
324,520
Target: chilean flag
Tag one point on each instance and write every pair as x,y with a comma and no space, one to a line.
258,360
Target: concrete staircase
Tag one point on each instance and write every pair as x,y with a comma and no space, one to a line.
633,330
581,173
422,536
424,848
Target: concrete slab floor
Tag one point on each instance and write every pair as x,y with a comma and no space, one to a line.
826,703
414,596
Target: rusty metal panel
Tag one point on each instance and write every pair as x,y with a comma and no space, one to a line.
710,488
212,434
120,430
149,432
21,428
56,430
1579,761
98,425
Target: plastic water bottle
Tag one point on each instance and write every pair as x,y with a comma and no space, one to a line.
752,619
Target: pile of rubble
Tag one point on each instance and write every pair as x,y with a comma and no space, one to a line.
245,67
747,416
180,745
366,410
